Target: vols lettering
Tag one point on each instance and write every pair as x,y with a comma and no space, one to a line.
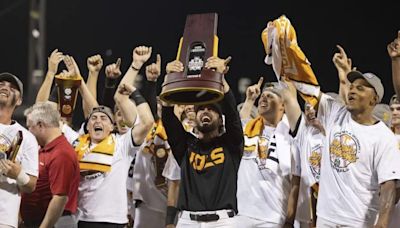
204,161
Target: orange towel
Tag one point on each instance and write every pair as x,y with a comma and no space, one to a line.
287,59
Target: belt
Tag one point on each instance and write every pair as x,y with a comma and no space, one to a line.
207,216
65,213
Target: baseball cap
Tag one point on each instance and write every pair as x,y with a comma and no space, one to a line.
383,113
103,109
371,78
214,106
274,87
5,76
394,100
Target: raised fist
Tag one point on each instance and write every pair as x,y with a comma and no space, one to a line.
95,63
140,55
126,89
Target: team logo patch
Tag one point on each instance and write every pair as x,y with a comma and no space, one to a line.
343,150
314,161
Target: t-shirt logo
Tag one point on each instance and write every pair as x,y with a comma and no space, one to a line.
343,150
314,161
204,161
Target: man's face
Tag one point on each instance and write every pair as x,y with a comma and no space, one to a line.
119,121
309,111
9,94
395,109
190,113
207,119
361,96
36,130
269,102
99,126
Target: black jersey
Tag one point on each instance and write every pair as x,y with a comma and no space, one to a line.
208,170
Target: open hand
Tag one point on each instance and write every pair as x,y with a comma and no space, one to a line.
220,65
54,59
174,66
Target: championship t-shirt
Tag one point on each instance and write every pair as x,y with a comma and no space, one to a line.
355,161
10,197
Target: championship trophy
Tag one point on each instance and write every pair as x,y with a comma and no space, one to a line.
13,149
196,84
67,89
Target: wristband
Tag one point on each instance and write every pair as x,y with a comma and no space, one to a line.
137,98
22,178
171,215
134,68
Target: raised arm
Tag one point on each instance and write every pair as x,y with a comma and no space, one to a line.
292,107
139,56
94,64
153,71
113,72
233,124
53,61
73,70
394,53
177,136
252,93
343,67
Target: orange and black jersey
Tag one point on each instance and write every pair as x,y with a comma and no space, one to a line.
208,170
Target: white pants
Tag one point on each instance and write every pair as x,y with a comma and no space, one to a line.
184,220
247,222
148,218
323,223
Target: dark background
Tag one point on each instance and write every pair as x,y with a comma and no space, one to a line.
113,28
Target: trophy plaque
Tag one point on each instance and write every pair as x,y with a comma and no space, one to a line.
67,89
196,84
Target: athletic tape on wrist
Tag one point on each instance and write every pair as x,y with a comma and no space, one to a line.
22,178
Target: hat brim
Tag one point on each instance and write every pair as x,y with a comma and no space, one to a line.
10,78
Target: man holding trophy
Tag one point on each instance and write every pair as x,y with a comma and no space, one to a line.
19,174
210,159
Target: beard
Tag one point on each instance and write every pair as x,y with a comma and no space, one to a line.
6,103
207,128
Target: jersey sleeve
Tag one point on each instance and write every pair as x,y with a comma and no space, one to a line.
387,160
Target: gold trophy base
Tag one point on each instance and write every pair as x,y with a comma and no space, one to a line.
193,89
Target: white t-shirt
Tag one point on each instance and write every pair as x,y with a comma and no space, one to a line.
356,160
10,197
395,220
144,174
310,144
263,191
102,196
